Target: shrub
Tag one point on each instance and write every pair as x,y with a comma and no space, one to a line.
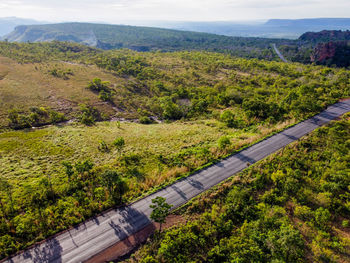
56,117
103,147
89,115
228,118
224,142
322,217
146,120
119,143
115,185
171,111
303,212
102,88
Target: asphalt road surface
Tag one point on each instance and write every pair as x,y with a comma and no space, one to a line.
279,53
95,235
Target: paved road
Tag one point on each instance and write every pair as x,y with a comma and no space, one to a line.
279,53
100,233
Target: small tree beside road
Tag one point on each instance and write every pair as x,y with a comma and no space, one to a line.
160,211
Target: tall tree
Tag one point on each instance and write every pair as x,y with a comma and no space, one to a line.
160,211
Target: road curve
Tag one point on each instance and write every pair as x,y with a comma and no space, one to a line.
96,235
279,53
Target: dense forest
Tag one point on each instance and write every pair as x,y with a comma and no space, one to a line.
292,207
192,108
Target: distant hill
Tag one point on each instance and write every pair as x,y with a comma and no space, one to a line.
274,28
8,24
142,38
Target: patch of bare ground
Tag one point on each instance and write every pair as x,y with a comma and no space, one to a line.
123,249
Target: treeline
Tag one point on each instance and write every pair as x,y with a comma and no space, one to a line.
38,116
293,207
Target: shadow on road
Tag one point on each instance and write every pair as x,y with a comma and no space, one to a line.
50,251
244,158
178,190
196,184
132,220
341,105
293,138
324,117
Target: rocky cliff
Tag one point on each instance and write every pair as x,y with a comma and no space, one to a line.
332,53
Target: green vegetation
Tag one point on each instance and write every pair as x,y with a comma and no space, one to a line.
89,115
292,207
168,86
36,117
67,167
160,210
209,105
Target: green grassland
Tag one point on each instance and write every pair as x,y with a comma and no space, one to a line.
158,153
208,104
292,207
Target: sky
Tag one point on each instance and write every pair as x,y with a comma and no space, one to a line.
119,11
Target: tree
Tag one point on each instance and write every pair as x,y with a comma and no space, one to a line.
160,211
171,111
286,244
115,185
98,85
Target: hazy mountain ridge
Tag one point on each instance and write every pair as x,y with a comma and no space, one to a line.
143,39
7,24
273,28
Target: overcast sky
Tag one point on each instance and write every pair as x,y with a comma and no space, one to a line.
117,11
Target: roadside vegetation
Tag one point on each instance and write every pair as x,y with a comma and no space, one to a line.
291,207
57,176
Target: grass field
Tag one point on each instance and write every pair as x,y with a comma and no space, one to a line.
26,85
29,154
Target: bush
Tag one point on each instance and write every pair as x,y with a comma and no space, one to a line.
228,118
224,142
322,217
56,117
286,244
103,147
303,212
145,120
119,143
102,88
89,115
171,111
